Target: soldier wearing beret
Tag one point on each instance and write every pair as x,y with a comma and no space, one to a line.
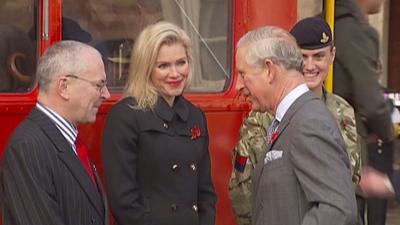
314,37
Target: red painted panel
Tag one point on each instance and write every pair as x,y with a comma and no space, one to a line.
282,13
54,24
222,144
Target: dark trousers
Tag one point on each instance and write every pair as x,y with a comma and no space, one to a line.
375,210
380,157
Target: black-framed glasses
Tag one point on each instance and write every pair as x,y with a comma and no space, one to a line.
98,85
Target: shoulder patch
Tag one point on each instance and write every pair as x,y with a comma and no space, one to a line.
240,163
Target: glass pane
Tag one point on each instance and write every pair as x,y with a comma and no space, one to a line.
307,8
17,45
112,26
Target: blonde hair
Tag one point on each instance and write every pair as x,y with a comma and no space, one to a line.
143,61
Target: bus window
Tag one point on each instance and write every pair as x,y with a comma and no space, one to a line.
113,26
308,8
17,46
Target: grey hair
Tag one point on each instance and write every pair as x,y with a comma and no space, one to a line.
272,43
62,58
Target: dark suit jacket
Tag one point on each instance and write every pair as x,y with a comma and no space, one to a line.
43,181
311,183
395,179
355,69
157,168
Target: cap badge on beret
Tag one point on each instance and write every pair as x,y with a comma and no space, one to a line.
312,33
325,38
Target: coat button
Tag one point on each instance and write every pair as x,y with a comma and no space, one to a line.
174,207
175,167
194,207
193,167
165,126
380,142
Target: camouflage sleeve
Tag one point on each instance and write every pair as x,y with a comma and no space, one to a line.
246,154
344,114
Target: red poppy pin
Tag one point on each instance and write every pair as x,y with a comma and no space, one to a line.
195,132
345,123
274,137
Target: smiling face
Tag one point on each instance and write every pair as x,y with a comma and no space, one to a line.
253,82
171,71
316,65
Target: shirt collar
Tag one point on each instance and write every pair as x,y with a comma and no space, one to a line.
67,129
288,100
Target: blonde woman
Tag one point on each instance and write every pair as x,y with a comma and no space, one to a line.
155,148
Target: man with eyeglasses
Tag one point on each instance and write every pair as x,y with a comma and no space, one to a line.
46,177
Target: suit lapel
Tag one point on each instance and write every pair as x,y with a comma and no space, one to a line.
67,155
101,192
78,171
297,104
49,129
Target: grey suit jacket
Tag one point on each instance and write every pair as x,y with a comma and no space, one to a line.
311,183
42,181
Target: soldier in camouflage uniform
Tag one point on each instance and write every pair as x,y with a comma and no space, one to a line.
319,52
246,154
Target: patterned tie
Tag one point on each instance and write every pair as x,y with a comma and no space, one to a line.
272,129
83,155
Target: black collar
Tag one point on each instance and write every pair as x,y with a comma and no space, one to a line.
166,112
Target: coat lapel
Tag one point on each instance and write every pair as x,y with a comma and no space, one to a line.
70,159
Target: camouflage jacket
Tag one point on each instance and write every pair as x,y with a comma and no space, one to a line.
252,145
248,151
345,117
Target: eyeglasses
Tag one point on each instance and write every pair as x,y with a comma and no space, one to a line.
98,85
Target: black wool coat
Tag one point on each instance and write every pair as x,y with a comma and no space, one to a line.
157,164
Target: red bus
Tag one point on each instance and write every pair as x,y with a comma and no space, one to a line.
29,27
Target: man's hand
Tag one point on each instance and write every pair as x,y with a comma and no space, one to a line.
375,184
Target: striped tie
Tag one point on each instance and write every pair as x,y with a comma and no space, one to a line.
272,129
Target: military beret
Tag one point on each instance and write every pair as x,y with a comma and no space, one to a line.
312,33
